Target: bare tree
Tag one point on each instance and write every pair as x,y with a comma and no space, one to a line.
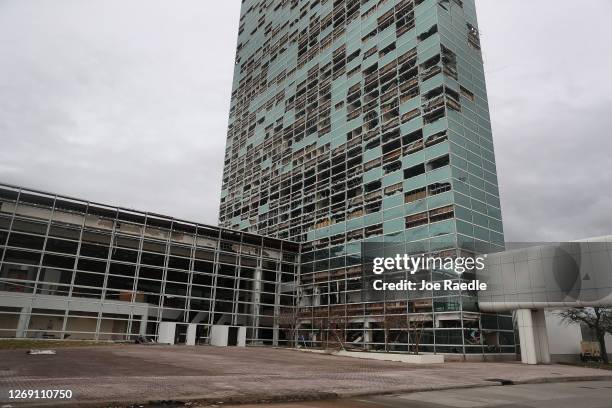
415,326
331,330
336,327
399,323
412,324
597,319
286,319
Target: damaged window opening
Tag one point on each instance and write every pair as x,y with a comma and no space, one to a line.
438,163
467,94
415,195
423,36
414,171
436,138
473,37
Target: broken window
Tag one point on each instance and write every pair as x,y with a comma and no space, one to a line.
413,114
416,220
394,166
431,68
467,94
388,49
393,189
473,36
415,195
449,62
414,171
413,142
436,138
441,214
423,36
438,163
438,188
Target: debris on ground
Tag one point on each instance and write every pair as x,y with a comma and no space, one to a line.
36,352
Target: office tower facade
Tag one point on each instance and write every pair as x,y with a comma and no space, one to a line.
75,269
359,122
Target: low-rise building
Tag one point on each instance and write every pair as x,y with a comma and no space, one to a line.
73,269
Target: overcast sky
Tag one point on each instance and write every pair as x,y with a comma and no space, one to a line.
126,101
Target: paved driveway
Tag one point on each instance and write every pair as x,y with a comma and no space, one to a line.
133,373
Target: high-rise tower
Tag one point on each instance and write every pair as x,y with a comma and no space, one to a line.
361,121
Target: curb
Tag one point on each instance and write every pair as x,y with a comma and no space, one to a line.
553,380
484,384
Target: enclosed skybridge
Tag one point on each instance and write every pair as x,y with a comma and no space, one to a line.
548,276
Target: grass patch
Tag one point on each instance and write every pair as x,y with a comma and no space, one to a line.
15,344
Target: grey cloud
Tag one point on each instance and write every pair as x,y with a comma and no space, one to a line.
126,102
546,70
118,102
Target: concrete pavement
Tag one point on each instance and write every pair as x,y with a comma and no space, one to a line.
131,373
596,394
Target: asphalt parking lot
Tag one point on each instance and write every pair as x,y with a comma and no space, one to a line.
121,375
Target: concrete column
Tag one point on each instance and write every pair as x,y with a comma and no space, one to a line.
533,336
367,335
242,337
166,332
191,335
219,335
275,335
22,324
143,324
255,300
527,337
539,320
